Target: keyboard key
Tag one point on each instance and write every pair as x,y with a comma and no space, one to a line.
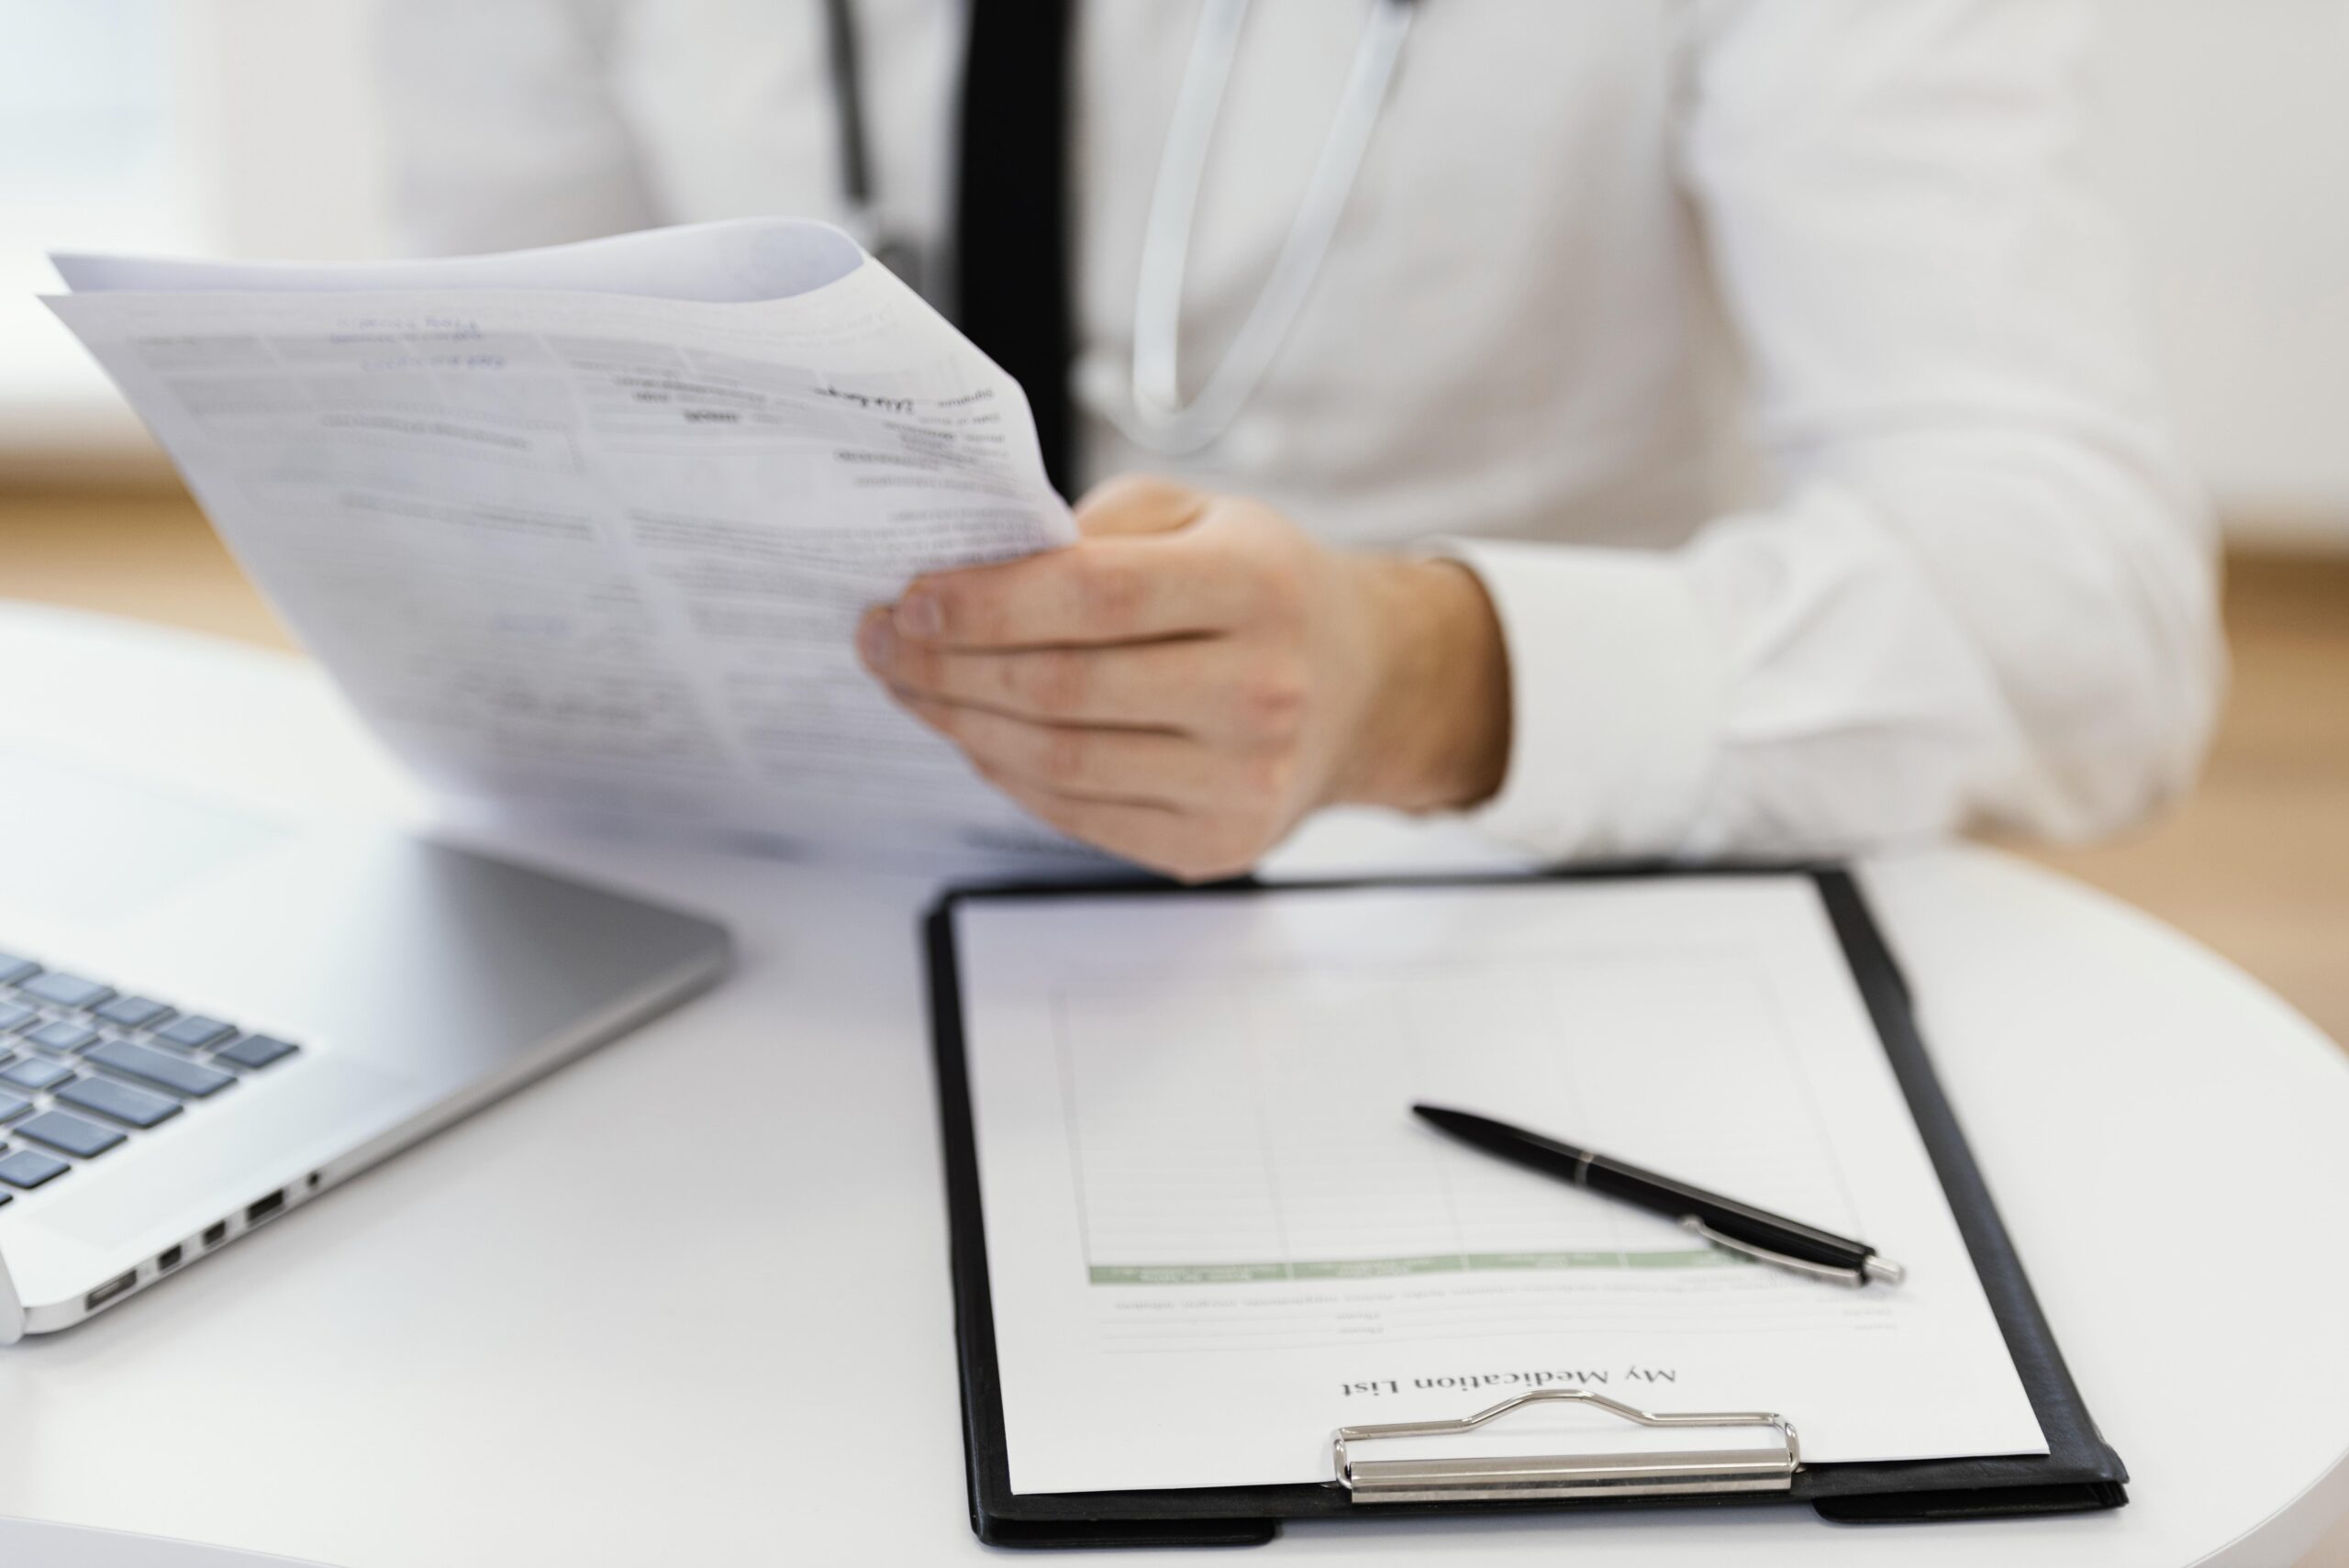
64,1034
13,1105
65,990
15,1015
13,969
256,1051
195,1031
134,1012
160,1068
34,1072
70,1134
124,1103
28,1168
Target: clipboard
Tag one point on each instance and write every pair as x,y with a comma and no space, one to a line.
2079,1472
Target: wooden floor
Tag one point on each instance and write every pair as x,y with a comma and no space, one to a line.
2256,864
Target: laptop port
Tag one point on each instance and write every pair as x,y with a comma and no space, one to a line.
167,1260
216,1234
109,1291
261,1209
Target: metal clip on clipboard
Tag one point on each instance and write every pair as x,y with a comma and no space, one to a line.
1535,1478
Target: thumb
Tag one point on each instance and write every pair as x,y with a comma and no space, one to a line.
1138,504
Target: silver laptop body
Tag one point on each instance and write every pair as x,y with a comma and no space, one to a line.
416,983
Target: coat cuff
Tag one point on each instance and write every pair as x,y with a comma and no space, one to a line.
1616,699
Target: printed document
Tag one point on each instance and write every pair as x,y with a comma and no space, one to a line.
1215,1232
589,528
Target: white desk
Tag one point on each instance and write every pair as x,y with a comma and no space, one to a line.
72,1546
686,1301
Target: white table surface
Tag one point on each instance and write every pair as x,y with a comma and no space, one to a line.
687,1299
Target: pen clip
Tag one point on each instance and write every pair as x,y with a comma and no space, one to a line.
1889,1273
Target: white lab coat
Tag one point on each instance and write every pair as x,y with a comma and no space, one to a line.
1762,357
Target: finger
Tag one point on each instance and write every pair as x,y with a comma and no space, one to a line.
1208,687
1138,504
1154,836
1138,767
1103,590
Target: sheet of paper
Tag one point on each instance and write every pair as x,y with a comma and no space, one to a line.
1215,1232
588,529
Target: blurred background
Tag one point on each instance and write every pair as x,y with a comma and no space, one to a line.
2220,139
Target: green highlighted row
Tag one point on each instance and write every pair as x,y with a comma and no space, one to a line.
1389,1268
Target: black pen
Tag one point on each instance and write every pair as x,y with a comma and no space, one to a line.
1723,1221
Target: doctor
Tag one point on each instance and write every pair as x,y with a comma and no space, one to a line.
1676,426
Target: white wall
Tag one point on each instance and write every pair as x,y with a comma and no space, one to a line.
281,98
276,151
2221,140
2222,146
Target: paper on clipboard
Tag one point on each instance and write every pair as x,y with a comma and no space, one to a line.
1215,1232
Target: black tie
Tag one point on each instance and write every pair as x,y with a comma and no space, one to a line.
1011,228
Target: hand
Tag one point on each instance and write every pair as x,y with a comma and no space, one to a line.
1196,675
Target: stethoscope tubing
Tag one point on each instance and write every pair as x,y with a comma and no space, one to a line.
1159,417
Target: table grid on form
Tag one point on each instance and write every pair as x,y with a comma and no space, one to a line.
1259,1131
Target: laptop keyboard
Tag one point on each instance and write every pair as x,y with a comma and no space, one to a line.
85,1068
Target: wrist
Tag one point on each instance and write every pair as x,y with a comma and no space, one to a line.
1436,733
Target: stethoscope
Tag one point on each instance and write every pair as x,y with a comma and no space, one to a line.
1160,418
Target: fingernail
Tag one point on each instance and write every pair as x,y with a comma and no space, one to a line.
876,641
920,615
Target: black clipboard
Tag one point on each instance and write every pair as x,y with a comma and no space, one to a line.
2079,1472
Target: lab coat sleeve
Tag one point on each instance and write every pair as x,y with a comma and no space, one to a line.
1985,591
503,128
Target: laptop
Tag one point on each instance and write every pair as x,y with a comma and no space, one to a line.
208,1020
